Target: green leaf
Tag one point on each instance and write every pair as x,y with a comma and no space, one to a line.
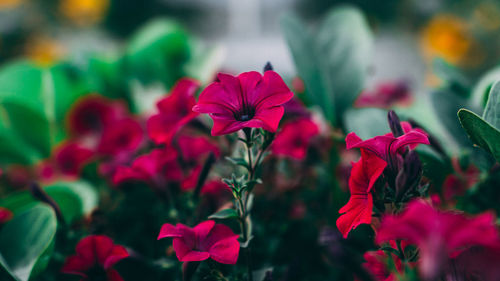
482,88
491,112
158,52
75,199
333,61
480,132
225,214
25,238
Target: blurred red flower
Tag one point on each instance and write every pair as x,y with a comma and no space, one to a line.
157,168
250,100
386,95
174,112
206,240
294,138
92,112
439,235
194,148
122,135
94,259
70,158
358,210
5,215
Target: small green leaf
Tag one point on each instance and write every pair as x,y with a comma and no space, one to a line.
225,214
25,239
480,132
238,161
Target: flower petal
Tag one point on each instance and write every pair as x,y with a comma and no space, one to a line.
225,251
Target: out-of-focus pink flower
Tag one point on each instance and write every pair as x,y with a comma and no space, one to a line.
250,100
191,179
194,148
92,112
457,184
439,235
386,95
121,136
206,240
294,108
475,263
175,111
94,259
376,265
158,168
387,146
70,158
298,85
5,215
358,210
215,188
294,138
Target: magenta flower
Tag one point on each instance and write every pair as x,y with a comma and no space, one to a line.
157,168
439,235
92,113
71,157
194,148
94,259
358,210
387,146
206,240
250,100
294,138
174,112
5,215
386,95
121,136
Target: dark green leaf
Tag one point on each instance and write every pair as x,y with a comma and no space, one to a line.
25,238
480,132
491,112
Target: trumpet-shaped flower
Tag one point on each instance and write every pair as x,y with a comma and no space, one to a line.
293,140
358,210
250,100
94,259
206,240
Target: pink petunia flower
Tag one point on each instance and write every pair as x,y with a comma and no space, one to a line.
71,157
206,240
92,112
294,138
120,136
386,95
194,148
5,215
250,100
440,235
158,168
376,265
174,112
387,146
358,210
94,259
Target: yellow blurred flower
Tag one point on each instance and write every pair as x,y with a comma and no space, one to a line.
84,12
44,51
447,37
8,4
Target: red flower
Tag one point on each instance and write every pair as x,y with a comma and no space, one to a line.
387,146
193,148
375,263
249,100
157,168
206,240
386,95
120,136
358,210
293,140
439,235
92,112
70,158
174,112
5,215
94,259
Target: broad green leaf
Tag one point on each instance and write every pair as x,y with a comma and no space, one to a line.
332,61
482,88
75,199
158,52
25,238
480,132
491,112
225,214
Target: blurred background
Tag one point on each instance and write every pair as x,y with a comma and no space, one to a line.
246,33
